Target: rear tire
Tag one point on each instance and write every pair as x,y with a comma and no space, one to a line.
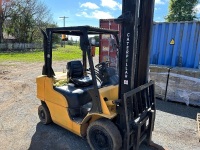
44,114
103,134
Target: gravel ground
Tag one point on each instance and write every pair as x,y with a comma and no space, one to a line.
20,129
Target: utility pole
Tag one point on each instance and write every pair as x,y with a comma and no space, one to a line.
64,17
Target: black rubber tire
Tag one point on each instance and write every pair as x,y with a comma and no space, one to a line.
103,134
44,114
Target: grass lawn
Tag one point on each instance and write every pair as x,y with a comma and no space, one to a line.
59,54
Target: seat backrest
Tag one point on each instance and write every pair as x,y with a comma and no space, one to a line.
75,69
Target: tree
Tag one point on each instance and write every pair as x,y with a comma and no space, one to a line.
70,42
25,19
181,10
96,38
5,12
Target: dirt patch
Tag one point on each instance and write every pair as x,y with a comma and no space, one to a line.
4,72
20,128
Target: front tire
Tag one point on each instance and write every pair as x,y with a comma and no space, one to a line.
44,114
103,134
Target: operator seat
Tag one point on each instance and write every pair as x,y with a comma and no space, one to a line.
75,74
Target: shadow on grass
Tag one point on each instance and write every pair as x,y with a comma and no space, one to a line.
177,109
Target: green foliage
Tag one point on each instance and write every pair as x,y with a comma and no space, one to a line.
181,10
20,27
61,83
96,38
70,42
25,19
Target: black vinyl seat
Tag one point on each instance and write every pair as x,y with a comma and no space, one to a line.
78,98
75,74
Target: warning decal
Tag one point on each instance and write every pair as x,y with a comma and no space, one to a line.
126,82
172,42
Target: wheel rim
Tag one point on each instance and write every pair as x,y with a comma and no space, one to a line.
100,140
42,115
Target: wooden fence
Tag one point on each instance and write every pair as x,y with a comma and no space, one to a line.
4,47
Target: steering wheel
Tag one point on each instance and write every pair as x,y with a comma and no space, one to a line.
100,71
102,65
97,73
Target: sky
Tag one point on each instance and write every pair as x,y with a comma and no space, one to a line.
88,12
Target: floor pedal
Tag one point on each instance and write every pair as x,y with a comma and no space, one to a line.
198,125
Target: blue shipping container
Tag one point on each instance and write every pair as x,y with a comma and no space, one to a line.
176,44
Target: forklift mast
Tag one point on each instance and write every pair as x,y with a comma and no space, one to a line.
137,22
136,108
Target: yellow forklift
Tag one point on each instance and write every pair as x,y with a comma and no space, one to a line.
114,109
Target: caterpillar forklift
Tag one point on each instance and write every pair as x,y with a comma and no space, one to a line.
113,108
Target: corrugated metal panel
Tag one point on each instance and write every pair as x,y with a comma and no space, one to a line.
185,52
